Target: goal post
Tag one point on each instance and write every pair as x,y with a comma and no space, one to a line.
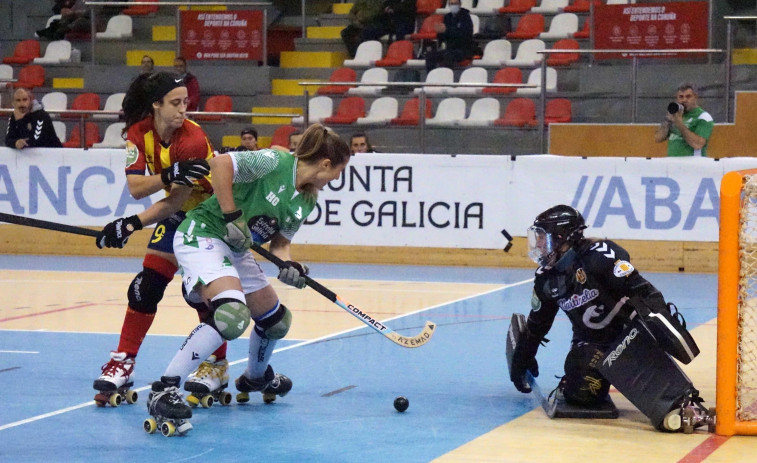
736,401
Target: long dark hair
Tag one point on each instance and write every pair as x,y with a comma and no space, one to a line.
143,91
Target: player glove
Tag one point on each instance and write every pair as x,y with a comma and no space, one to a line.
184,172
117,233
237,234
293,273
524,359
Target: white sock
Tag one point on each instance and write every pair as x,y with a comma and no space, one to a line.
260,353
200,343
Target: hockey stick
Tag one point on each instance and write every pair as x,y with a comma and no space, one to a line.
36,223
546,404
411,341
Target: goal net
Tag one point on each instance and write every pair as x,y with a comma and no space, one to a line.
737,305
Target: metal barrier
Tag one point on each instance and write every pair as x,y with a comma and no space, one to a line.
178,18
421,97
634,53
115,116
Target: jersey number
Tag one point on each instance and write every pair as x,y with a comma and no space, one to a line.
160,230
272,198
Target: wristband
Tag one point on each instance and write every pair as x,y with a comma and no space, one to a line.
232,216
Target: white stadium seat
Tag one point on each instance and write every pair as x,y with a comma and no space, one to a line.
382,111
58,51
448,113
319,108
367,53
119,27
483,113
371,75
112,138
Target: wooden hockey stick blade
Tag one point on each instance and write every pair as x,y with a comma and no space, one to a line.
36,223
404,341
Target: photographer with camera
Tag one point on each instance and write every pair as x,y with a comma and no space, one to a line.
686,127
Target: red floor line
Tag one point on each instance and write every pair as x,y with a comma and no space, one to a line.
704,450
90,304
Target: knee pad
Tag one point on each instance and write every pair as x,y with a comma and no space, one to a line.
230,315
146,290
275,326
583,384
668,328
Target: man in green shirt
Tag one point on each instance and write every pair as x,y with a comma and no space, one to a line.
363,13
688,129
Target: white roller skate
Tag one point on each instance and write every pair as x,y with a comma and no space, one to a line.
168,411
270,385
206,385
116,379
691,414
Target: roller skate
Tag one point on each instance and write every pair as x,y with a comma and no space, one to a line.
207,384
169,413
115,381
270,385
691,414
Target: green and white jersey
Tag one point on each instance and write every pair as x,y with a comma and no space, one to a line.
264,190
698,121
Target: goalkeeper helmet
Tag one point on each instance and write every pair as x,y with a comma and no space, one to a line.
551,230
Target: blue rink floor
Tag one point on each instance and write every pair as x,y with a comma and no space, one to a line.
340,409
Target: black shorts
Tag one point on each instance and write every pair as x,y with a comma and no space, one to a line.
162,235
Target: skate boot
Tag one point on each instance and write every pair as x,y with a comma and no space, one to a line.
168,412
207,384
691,414
270,385
115,381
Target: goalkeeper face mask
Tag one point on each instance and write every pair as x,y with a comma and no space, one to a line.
542,247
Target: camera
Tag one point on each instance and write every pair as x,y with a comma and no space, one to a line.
674,107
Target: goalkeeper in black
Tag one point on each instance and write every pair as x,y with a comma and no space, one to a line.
624,333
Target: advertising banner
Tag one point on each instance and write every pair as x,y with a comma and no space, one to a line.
650,26
222,35
461,201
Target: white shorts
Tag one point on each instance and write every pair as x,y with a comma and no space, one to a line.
213,259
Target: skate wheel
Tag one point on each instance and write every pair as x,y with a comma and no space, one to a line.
101,400
115,400
688,421
243,397
711,419
193,400
131,396
672,421
268,397
224,398
207,401
150,425
167,428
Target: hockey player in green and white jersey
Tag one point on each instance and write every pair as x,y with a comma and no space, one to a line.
259,196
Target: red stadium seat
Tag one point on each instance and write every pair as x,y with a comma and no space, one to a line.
83,102
397,54
339,75
31,76
281,135
91,136
426,7
585,31
518,7
411,112
581,6
141,10
519,113
24,53
558,110
349,110
427,30
563,59
505,76
215,104
529,27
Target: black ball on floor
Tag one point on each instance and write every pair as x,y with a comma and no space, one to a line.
401,404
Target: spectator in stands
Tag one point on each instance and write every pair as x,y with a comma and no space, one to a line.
362,13
29,125
249,140
294,140
190,81
687,127
147,66
456,32
75,17
359,143
397,20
